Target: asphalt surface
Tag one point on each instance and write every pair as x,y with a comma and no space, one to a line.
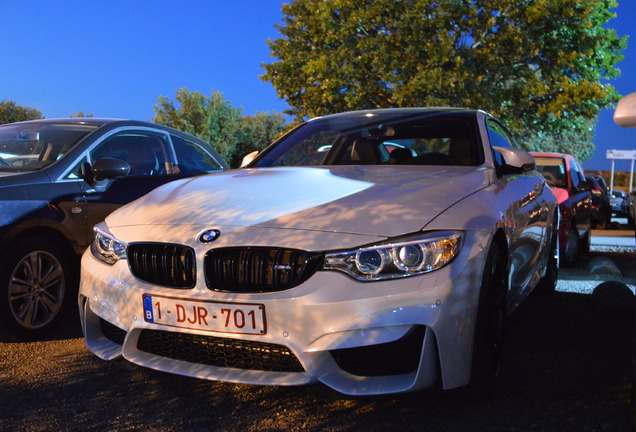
568,368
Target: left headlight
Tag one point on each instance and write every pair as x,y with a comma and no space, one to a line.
105,247
396,259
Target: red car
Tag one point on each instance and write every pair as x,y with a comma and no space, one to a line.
565,177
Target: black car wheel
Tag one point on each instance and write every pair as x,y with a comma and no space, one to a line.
586,244
34,285
572,247
488,349
547,284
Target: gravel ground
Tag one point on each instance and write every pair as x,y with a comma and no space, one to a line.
611,259
568,368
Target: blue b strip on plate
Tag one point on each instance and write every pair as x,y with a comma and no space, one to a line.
148,314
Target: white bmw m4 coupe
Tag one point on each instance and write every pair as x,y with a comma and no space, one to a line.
372,251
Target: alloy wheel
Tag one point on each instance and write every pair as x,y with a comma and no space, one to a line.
36,289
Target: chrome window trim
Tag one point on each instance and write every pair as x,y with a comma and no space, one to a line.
86,153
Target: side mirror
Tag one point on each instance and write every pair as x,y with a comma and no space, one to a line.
110,168
516,160
248,158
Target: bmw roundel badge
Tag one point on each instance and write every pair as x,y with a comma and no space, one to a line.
208,236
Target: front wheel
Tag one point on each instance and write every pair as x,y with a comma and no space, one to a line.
547,284
488,348
570,254
34,287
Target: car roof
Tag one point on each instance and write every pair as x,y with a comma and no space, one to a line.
83,120
399,111
100,121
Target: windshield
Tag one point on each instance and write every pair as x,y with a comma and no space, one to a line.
404,138
32,146
553,170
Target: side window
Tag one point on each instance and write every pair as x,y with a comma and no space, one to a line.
191,157
145,152
498,138
576,174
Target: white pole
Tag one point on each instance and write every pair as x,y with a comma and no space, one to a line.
612,178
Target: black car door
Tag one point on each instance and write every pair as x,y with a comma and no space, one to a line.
154,157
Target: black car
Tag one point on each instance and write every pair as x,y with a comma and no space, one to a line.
631,209
601,207
58,178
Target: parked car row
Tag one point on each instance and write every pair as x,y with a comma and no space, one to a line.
565,177
375,252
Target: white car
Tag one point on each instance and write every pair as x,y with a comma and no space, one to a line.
367,273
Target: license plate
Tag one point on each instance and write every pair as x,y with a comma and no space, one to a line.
240,318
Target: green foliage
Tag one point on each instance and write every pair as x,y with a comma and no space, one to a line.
11,112
576,139
215,120
256,132
81,114
212,119
537,64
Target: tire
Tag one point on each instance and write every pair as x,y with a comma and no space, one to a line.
601,224
586,243
547,284
488,346
570,254
35,287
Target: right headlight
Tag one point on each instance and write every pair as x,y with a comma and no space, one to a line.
105,247
395,259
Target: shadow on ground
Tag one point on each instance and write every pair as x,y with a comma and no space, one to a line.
568,369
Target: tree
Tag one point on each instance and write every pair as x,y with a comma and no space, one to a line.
216,121
256,133
81,114
537,64
11,112
212,119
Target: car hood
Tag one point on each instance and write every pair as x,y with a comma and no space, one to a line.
386,201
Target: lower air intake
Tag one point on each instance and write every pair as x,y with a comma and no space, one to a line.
112,332
221,352
393,358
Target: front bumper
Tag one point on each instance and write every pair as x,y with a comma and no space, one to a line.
359,338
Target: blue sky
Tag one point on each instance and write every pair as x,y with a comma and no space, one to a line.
114,58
